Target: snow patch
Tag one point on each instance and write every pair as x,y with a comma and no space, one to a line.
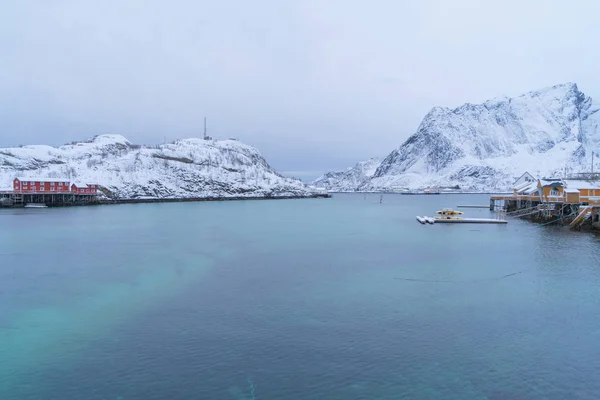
549,132
186,168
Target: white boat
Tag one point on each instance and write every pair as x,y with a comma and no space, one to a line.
421,220
35,205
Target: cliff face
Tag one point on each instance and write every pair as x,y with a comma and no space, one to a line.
484,146
351,179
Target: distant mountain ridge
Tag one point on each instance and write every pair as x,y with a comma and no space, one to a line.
484,146
184,168
351,179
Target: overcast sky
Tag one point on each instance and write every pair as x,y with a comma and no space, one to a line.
314,84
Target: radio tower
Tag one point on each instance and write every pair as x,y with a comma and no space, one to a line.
205,136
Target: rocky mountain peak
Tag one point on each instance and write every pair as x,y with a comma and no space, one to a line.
483,146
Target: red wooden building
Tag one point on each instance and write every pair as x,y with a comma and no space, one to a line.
46,185
84,188
51,186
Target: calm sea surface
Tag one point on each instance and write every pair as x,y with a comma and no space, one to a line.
341,298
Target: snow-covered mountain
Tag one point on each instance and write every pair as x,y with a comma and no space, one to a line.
484,146
185,168
351,179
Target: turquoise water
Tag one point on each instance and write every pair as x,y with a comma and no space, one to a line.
341,298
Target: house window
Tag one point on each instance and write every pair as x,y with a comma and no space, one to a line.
31,183
554,192
51,183
52,189
42,189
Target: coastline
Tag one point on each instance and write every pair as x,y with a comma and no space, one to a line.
417,194
96,202
201,199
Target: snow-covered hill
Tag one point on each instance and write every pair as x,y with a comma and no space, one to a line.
351,179
481,147
185,168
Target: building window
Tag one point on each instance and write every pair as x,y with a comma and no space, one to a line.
42,189
31,183
51,183
52,189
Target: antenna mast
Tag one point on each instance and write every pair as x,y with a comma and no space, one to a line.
205,137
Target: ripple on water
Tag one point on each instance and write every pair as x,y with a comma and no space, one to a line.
336,299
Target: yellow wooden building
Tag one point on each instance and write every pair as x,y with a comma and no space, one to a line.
569,191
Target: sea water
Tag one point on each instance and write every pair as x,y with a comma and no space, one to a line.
342,298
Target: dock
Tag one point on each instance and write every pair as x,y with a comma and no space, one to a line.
470,221
572,200
470,206
10,199
501,219
16,199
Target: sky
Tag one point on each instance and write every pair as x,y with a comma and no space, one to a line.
315,85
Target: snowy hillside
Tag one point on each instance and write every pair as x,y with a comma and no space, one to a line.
484,146
351,179
185,168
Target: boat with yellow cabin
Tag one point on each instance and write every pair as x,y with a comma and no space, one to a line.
448,212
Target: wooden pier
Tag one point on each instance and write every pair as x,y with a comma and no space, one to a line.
12,199
549,210
470,221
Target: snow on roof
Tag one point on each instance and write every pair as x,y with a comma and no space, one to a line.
43,179
551,182
577,184
571,190
80,184
529,188
523,186
525,174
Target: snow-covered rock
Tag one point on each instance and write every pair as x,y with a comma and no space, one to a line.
548,132
351,179
185,168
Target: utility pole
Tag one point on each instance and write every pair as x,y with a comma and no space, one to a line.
205,129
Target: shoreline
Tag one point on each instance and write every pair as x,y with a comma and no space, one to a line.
423,194
201,199
98,202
